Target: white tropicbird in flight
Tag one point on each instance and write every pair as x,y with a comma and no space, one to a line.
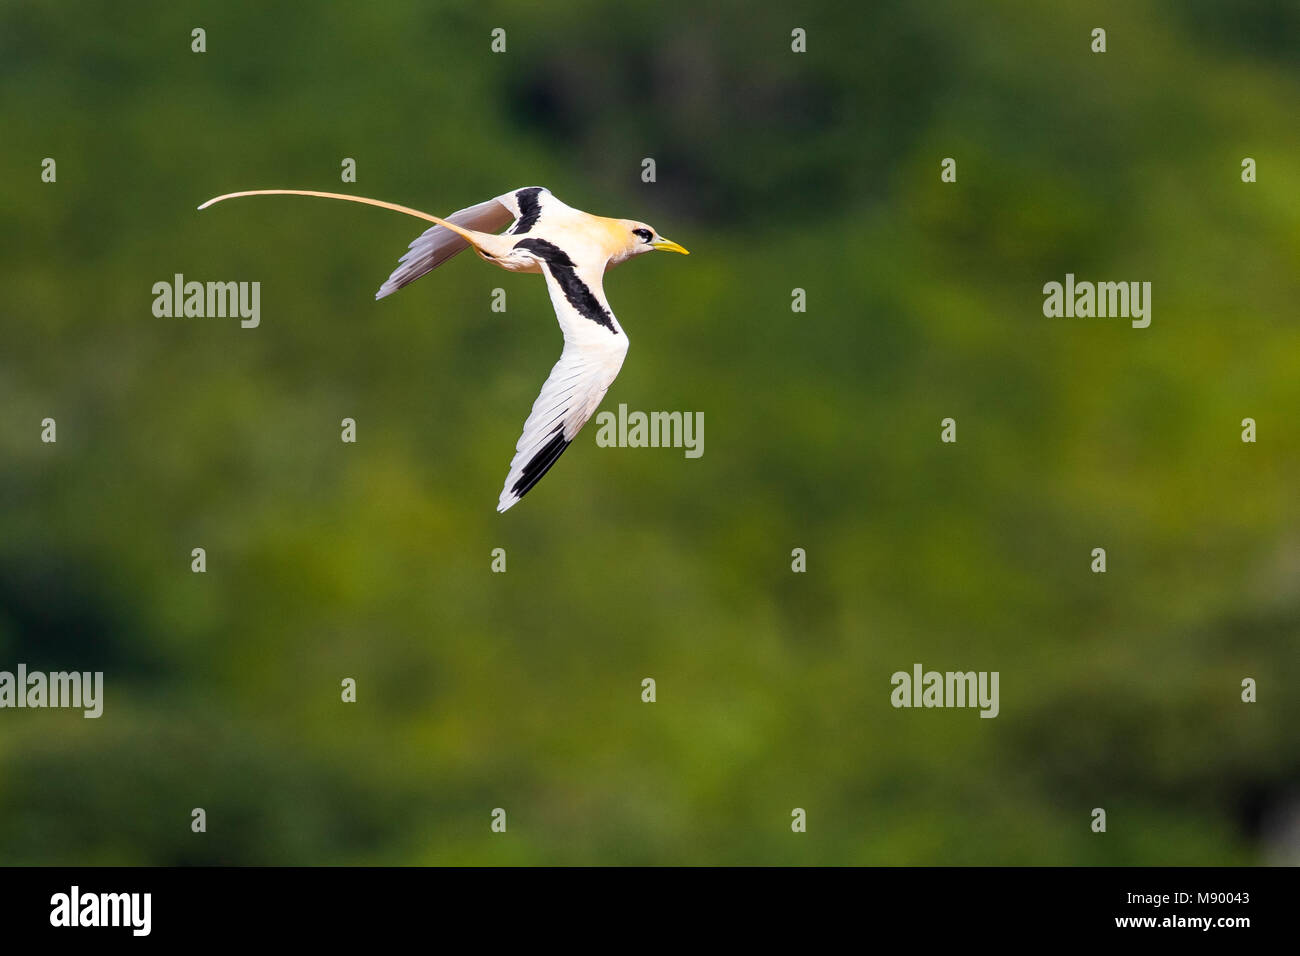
572,249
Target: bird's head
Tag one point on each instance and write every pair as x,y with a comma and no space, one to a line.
637,238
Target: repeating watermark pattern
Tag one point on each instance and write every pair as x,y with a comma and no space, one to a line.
80,690
652,430
218,300
74,908
951,689
1085,300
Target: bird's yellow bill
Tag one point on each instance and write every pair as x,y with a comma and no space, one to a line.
667,245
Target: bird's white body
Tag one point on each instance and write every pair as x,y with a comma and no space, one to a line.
572,250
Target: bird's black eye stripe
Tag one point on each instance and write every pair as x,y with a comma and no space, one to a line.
645,234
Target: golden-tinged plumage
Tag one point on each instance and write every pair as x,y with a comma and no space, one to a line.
571,249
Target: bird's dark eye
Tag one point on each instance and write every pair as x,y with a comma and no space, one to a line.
645,234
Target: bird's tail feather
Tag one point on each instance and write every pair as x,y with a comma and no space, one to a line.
473,237
323,195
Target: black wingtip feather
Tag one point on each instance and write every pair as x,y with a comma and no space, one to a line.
541,463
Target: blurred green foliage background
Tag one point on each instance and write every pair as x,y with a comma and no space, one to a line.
522,690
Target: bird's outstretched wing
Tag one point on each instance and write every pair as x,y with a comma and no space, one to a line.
436,245
594,347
